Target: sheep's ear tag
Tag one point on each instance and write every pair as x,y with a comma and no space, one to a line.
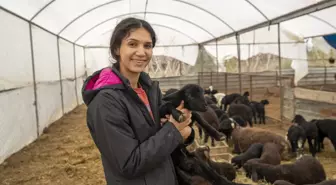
286,137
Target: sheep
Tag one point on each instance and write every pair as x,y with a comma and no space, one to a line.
254,151
190,165
270,155
210,117
305,170
228,99
242,110
193,97
171,90
259,108
243,138
326,128
222,168
219,97
311,132
296,136
225,125
325,182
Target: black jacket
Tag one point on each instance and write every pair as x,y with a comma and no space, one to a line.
135,150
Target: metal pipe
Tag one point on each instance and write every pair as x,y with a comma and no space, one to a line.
34,80
280,75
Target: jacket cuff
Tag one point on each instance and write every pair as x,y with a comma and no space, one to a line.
191,138
174,131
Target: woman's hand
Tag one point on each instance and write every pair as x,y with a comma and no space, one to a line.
183,127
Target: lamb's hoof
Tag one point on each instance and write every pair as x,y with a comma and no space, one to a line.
222,138
181,118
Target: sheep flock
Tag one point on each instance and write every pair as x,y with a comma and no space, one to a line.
259,155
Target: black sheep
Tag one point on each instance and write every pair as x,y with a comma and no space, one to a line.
241,110
193,97
222,168
311,132
305,170
259,108
326,128
190,165
226,123
228,99
325,182
270,155
254,151
296,136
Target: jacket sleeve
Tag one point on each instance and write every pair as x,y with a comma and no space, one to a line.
116,140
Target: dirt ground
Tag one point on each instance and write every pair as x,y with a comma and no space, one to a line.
66,155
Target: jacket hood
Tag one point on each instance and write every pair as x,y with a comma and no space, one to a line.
108,78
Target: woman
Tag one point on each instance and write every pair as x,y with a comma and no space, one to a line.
123,116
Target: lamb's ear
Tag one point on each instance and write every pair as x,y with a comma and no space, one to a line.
172,96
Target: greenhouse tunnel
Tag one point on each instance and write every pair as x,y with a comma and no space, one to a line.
49,47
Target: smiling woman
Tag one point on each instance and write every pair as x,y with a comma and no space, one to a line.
123,112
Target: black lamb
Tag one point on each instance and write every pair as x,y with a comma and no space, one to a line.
311,132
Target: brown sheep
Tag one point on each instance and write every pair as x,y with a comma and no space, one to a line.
326,182
270,155
222,168
243,138
305,170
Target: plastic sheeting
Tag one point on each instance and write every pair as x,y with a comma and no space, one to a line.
76,19
18,122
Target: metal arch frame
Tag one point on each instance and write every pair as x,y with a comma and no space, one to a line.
324,21
255,7
206,11
38,12
155,13
159,25
145,12
282,18
145,9
88,11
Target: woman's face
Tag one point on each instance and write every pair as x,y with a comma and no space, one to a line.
136,51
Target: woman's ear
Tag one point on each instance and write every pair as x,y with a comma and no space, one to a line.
117,51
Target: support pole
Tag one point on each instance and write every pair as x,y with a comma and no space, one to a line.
239,62
217,84
60,74
85,66
280,75
75,72
34,80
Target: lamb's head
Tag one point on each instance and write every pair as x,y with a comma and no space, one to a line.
246,93
265,102
331,60
193,96
298,119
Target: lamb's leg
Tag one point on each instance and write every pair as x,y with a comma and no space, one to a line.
333,141
206,138
200,132
311,148
207,127
213,142
263,117
250,122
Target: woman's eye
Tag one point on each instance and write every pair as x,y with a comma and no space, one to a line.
148,46
132,44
